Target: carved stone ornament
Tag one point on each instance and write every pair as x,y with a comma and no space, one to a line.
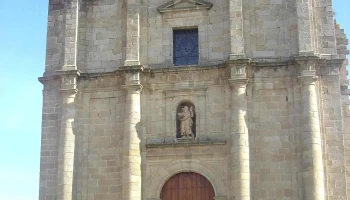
186,121
184,5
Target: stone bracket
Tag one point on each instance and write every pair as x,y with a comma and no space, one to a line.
238,68
69,79
307,65
132,74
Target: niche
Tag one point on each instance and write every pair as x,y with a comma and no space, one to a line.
186,120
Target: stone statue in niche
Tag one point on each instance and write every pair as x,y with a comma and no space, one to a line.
186,121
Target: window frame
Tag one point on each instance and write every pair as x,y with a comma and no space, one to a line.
192,33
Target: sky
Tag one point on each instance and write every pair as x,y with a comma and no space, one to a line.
22,60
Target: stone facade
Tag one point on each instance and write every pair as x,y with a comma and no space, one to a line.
270,97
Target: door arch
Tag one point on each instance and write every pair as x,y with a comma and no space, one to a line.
187,186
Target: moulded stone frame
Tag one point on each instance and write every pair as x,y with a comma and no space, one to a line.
176,115
186,20
173,98
157,180
167,7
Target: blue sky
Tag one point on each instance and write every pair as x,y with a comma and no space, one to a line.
22,61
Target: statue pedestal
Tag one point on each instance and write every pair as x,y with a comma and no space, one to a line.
185,140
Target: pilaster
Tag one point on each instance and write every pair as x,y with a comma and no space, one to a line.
311,143
132,51
333,132
71,27
236,29
304,28
131,177
69,76
239,169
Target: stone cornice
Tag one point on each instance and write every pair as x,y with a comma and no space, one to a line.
193,143
68,73
307,58
333,67
184,86
132,69
243,61
43,80
57,74
69,91
197,91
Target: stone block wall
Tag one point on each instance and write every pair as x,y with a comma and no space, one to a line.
101,36
270,29
213,31
55,36
51,122
164,92
274,117
100,138
343,51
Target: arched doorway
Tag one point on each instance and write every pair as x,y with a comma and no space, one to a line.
187,186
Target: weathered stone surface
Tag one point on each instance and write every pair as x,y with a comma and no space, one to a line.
271,109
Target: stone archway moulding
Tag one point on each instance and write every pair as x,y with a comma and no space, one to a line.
158,180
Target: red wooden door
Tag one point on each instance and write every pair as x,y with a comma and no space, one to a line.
187,186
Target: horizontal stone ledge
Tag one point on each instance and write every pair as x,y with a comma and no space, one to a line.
185,143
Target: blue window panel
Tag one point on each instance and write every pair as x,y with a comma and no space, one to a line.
185,47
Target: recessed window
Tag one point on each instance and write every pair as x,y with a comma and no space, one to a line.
185,47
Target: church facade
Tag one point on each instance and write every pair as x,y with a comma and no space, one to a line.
195,100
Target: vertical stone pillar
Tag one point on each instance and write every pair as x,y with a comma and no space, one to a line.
67,137
304,28
131,178
240,170
69,75
71,28
312,162
132,57
236,29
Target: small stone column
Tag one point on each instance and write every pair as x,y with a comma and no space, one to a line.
240,170
67,137
236,29
131,178
312,162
